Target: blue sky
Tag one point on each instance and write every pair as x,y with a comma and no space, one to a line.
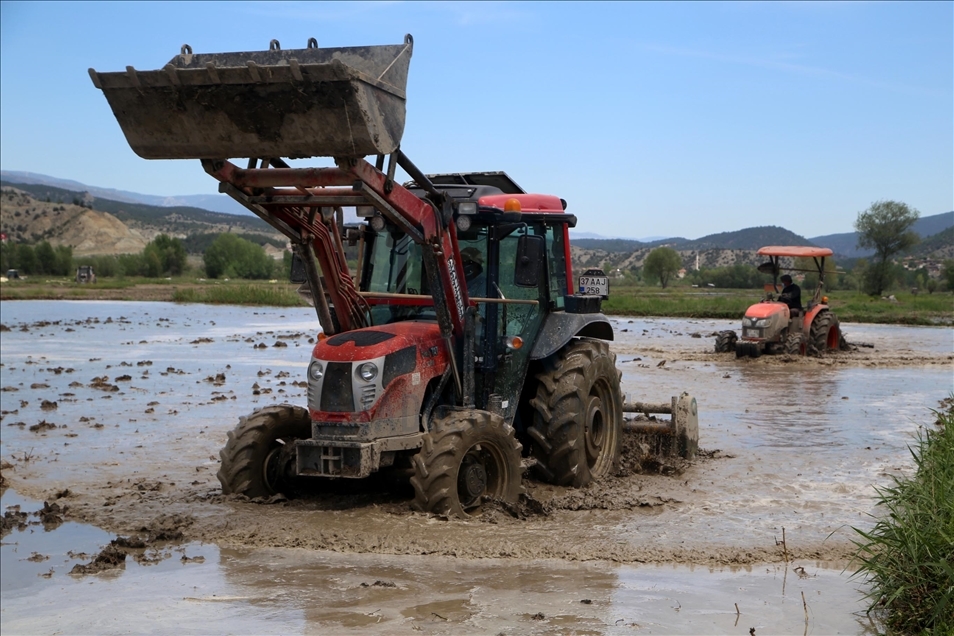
679,119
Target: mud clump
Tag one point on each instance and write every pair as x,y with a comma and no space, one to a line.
13,518
51,515
166,528
110,558
131,543
42,427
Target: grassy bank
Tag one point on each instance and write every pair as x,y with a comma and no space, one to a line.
730,304
683,302
268,295
908,557
236,292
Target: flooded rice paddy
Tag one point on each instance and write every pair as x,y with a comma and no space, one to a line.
113,414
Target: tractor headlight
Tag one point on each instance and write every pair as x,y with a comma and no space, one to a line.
315,371
761,323
367,371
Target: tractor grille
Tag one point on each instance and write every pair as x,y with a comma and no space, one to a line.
336,392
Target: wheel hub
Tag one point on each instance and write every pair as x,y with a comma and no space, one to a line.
594,431
472,479
274,468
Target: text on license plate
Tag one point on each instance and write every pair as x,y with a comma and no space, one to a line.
594,285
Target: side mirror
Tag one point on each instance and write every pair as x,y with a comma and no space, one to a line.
531,261
768,268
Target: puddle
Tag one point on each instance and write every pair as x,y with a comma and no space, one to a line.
290,590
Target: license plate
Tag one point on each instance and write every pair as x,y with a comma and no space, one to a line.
594,285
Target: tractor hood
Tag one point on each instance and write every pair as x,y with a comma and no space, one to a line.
377,370
374,342
767,310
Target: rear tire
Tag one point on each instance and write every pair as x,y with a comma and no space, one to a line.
824,334
578,414
468,455
256,459
725,341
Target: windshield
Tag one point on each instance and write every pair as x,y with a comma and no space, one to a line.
394,268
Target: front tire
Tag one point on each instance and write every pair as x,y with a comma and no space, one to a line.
578,414
256,459
793,344
725,341
468,455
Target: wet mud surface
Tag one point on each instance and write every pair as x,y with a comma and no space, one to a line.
115,413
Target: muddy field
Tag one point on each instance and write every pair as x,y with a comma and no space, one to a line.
115,413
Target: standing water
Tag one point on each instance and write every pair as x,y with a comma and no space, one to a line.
115,413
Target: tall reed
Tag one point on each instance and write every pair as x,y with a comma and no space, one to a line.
265,295
907,558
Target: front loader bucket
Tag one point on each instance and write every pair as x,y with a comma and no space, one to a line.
340,102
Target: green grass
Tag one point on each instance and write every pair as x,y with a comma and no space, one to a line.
849,306
242,294
908,557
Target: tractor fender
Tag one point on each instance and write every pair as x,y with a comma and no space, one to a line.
559,327
810,317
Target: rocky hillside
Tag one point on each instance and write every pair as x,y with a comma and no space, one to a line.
23,218
92,225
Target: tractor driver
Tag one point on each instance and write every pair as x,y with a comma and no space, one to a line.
473,264
791,294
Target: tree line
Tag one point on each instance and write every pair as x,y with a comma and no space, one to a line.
884,227
227,256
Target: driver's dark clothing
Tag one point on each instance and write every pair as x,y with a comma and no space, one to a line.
792,296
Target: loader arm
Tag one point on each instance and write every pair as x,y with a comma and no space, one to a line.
344,103
300,202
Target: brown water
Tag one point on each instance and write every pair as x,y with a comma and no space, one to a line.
792,443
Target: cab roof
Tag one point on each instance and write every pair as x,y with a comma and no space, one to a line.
794,250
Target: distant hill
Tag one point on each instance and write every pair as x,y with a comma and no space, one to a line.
846,243
607,245
939,246
751,238
212,202
91,225
177,220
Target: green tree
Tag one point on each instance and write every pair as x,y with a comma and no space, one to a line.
885,227
169,252
25,260
64,260
235,257
45,258
947,274
811,272
662,264
150,264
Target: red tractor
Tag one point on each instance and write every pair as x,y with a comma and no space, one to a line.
781,325
457,347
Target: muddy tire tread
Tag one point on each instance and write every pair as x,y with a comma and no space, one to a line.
793,344
818,334
725,341
241,470
436,465
562,390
